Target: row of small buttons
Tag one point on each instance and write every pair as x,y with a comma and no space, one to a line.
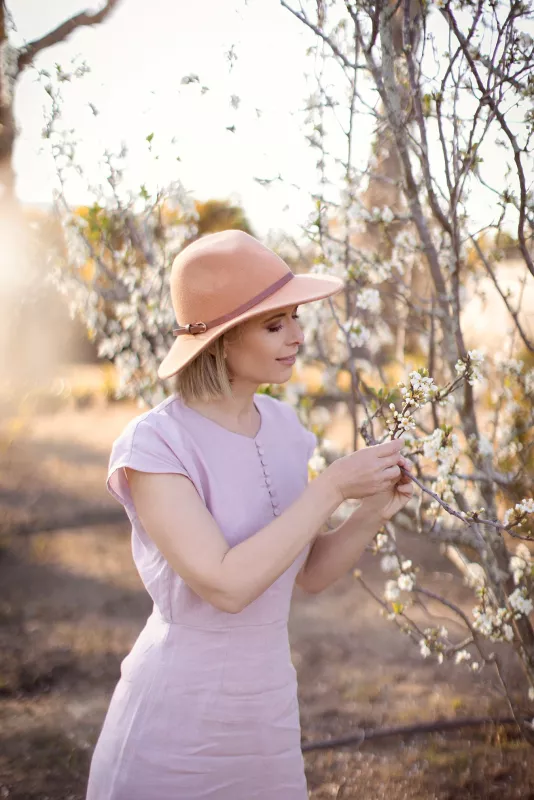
268,482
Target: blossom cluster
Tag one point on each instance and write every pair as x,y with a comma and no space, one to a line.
520,603
493,623
433,642
356,333
405,580
369,300
419,389
517,515
521,564
442,446
471,366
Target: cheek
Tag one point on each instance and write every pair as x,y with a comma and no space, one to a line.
258,348
270,343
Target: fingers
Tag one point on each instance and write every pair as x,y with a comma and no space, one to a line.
391,474
389,461
389,448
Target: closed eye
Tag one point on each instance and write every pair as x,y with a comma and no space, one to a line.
279,327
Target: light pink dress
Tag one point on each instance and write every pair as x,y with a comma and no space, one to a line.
206,705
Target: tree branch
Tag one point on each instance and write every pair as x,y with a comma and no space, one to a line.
59,34
514,314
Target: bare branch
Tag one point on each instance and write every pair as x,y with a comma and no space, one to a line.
62,31
300,15
514,314
486,96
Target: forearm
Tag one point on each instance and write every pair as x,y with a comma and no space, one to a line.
333,554
249,568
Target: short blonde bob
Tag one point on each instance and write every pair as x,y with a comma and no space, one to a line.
206,377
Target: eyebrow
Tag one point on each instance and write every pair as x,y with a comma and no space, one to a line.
280,314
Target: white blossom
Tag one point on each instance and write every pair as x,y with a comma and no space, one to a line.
517,513
406,581
518,566
462,655
391,591
493,623
472,366
388,563
520,602
508,632
382,541
317,462
425,649
369,300
358,334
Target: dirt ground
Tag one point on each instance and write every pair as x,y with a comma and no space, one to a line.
71,605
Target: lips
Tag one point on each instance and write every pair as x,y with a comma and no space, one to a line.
289,360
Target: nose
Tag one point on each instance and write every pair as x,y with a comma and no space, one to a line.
297,334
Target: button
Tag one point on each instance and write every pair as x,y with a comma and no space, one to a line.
276,503
263,461
258,443
268,481
272,492
266,473
260,450
276,512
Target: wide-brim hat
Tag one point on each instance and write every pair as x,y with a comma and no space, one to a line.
225,278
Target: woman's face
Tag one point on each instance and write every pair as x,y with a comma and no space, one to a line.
255,355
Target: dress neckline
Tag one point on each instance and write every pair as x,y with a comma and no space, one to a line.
222,427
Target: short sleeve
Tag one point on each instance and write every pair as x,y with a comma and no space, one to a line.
141,446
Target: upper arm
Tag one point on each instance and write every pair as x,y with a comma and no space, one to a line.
178,522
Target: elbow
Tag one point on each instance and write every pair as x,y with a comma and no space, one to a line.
228,602
230,605
236,608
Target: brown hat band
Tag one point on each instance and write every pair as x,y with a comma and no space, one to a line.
202,327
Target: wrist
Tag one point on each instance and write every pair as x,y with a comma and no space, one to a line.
329,491
371,511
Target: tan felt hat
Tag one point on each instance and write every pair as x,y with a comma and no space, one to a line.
224,278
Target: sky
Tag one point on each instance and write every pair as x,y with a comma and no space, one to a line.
138,58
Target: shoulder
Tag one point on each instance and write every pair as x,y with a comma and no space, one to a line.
158,427
153,441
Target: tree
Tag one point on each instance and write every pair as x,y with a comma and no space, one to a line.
13,62
438,116
21,273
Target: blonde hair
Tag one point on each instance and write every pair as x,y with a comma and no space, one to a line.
206,377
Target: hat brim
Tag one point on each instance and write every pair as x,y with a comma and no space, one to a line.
299,290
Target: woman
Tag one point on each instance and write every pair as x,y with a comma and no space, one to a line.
224,522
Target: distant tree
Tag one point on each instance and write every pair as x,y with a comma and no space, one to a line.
13,61
21,249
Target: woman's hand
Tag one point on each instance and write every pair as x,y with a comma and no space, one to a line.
386,503
366,472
